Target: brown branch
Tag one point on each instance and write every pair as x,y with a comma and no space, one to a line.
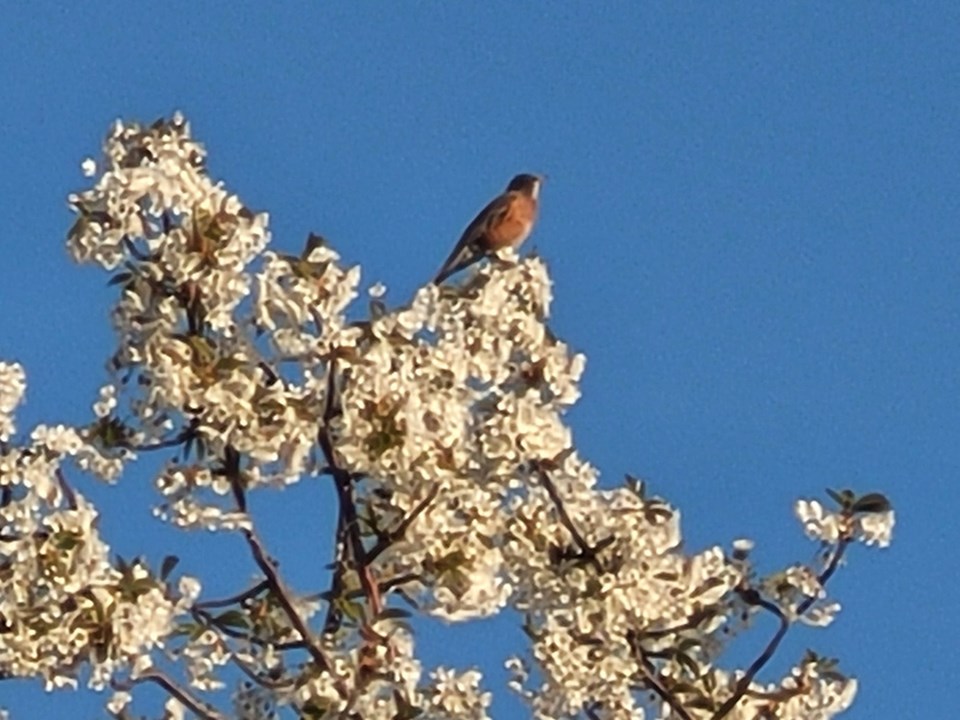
277,586
752,597
256,677
178,439
650,678
351,524
197,706
387,539
586,551
343,480
283,595
235,599
334,613
67,491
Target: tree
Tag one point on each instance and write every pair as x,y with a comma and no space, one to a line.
440,425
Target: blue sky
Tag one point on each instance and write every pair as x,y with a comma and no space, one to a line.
751,220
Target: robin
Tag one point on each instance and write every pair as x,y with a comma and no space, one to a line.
505,222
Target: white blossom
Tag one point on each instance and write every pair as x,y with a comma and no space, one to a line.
443,424
13,386
819,523
876,528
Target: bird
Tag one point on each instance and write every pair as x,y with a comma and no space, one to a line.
505,222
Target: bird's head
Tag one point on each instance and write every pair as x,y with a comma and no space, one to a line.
527,184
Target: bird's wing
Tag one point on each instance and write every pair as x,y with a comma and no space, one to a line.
471,246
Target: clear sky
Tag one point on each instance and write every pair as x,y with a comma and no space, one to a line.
751,220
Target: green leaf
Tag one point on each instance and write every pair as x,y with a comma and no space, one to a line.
405,711
655,514
872,503
844,498
637,486
314,241
531,633
120,279
233,618
837,497
701,703
167,566
377,309
351,609
394,614
688,663
189,629
708,584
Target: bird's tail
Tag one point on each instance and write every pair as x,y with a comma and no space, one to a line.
459,259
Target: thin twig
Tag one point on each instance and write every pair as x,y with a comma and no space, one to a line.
343,480
235,599
586,551
277,586
650,677
178,439
391,537
67,491
283,595
197,706
753,598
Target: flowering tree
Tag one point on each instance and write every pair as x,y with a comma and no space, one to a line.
439,424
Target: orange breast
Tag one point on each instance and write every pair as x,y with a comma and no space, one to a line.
514,226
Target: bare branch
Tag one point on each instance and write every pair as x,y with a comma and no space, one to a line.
67,491
277,586
197,706
348,521
752,597
650,677
391,537
283,595
586,551
178,439
235,599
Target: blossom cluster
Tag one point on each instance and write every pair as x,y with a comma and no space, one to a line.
441,424
63,603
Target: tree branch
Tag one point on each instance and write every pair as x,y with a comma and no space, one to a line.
343,480
752,597
197,706
67,491
235,599
283,595
586,551
277,586
651,679
178,439
391,537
